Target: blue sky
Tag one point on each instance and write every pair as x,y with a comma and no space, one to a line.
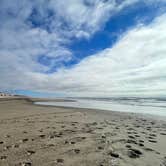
83,48
114,28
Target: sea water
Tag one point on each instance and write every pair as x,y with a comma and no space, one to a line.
150,106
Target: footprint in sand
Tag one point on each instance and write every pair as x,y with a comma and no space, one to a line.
24,164
66,142
148,149
132,137
77,151
130,129
100,148
42,136
41,130
60,160
25,132
24,140
152,135
149,128
72,142
134,153
113,154
16,146
153,141
128,146
163,162
30,152
141,141
162,133
141,144
137,136
131,141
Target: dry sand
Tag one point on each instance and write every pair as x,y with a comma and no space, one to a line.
32,135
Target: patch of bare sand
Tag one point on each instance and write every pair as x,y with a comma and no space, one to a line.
47,136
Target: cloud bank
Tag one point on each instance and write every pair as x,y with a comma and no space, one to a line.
134,66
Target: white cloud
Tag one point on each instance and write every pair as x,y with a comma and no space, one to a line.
56,21
127,67
134,66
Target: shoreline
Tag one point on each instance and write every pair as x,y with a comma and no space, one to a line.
49,135
34,101
146,115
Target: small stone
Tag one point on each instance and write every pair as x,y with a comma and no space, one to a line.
1,142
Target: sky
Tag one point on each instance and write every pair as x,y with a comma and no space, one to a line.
85,48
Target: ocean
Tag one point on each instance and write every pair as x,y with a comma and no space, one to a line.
151,106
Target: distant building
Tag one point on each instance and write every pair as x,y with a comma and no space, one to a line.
5,94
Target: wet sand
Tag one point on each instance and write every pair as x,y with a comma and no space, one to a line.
33,135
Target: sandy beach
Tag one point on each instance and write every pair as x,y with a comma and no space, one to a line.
34,135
